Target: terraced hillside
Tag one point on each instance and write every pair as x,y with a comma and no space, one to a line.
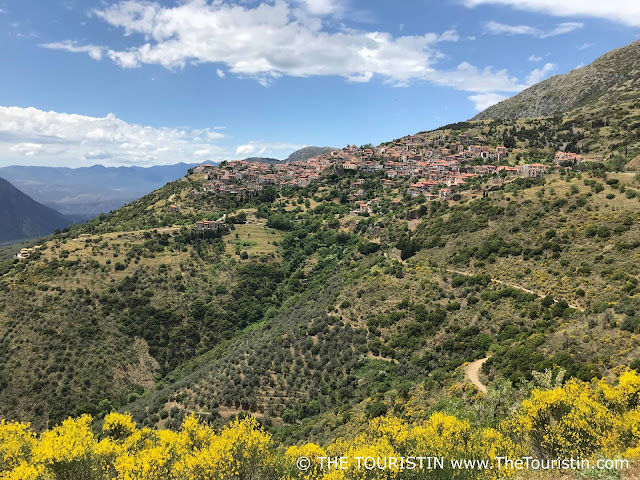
314,312
305,306
541,274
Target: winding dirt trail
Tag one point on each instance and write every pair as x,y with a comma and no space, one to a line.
472,373
507,284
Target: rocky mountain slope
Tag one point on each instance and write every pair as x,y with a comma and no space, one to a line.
611,78
22,217
308,152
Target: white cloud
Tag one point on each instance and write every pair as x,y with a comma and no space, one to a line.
271,40
215,135
540,74
220,73
27,149
203,153
496,28
265,41
449,36
469,78
483,101
93,51
534,58
124,59
626,12
321,7
584,46
245,150
563,28
102,155
78,139
267,149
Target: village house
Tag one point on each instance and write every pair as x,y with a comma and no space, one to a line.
444,193
501,153
507,170
362,207
25,253
208,226
567,157
532,170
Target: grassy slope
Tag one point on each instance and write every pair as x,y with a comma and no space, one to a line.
100,317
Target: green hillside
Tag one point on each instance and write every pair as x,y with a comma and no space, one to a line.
316,309
308,308
541,274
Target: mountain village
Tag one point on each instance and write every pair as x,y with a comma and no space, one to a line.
438,166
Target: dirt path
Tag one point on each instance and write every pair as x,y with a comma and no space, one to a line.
472,373
512,285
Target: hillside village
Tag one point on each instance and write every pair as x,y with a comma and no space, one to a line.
438,166
421,164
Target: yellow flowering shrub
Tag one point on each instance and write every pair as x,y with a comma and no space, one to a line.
239,451
16,444
71,452
150,454
578,419
117,426
575,419
23,471
441,436
311,451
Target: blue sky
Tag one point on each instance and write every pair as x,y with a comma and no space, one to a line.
141,83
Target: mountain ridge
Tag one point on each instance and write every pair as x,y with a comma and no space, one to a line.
21,217
300,155
606,80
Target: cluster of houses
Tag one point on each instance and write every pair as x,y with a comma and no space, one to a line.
216,227
437,164
569,157
27,252
241,177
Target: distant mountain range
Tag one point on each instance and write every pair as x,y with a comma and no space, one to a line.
297,156
612,78
83,193
22,217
